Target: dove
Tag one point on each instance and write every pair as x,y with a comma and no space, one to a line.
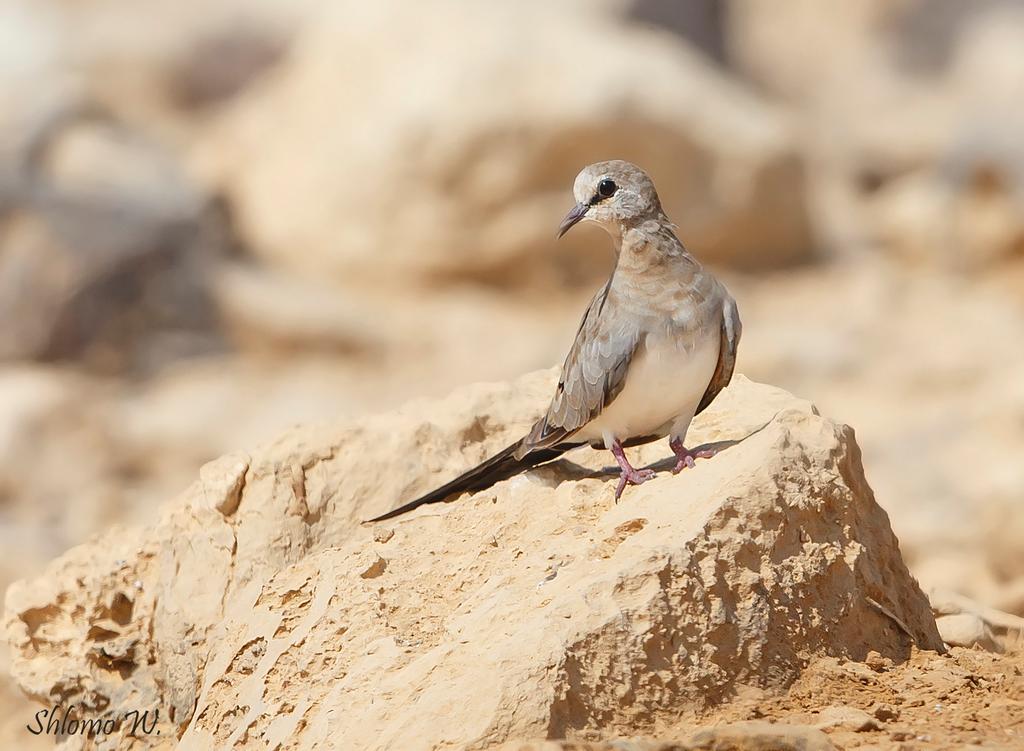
655,347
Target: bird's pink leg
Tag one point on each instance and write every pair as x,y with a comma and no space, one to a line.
629,476
686,457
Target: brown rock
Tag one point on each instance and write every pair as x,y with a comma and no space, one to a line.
846,718
885,712
877,663
503,611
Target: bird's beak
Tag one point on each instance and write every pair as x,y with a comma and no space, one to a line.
575,214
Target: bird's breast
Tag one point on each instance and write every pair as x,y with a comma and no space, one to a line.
664,383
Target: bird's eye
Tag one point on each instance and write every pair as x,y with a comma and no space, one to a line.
606,188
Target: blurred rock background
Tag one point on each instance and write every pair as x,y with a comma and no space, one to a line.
221,218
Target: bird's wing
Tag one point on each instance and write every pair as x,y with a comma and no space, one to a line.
730,331
592,376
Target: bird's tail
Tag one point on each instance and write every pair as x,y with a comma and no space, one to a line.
501,466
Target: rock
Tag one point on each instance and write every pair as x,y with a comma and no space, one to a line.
966,630
47,417
105,248
913,413
885,712
964,215
938,180
877,663
372,186
966,623
80,452
772,45
537,608
846,718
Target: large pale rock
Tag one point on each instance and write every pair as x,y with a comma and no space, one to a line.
257,610
962,622
422,160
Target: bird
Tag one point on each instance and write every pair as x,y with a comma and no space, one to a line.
656,344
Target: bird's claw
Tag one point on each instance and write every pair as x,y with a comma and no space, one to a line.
685,462
687,459
632,477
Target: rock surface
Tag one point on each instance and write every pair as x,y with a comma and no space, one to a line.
258,609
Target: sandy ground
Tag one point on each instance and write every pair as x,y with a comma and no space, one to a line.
962,699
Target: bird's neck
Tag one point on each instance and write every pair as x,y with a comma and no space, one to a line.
650,245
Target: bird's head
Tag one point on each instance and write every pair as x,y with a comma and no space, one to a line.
613,194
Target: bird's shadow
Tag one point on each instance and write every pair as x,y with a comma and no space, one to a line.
564,469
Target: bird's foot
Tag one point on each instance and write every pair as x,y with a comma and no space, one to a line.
632,477
686,459
629,476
